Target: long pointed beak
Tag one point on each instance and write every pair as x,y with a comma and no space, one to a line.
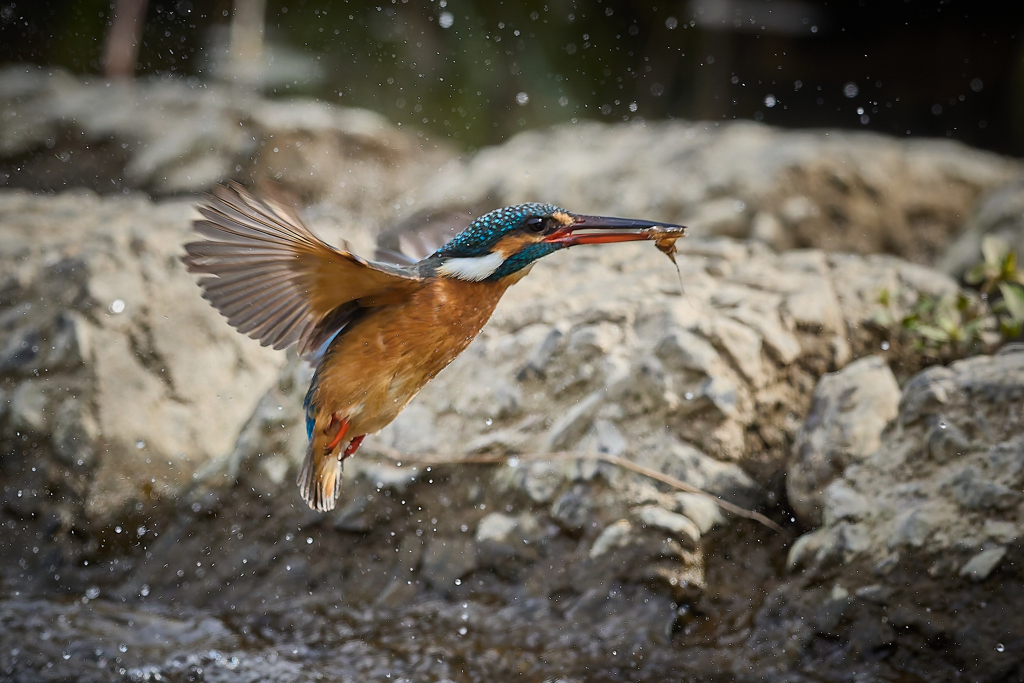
605,230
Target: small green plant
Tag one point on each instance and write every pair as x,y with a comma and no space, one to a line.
998,273
952,325
997,267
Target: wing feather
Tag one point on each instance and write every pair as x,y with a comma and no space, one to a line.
276,281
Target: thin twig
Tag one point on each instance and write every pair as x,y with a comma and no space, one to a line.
433,459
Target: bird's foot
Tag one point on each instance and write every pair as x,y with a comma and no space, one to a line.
343,425
352,446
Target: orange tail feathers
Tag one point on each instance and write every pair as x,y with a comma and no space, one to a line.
320,478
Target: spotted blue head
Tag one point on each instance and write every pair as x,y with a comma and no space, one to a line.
505,241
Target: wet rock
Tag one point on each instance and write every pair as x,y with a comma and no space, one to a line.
571,426
916,522
573,510
700,509
974,492
682,527
448,559
848,412
500,538
613,536
984,563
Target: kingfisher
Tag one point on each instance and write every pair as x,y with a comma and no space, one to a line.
375,332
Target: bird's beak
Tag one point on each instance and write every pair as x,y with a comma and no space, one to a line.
605,230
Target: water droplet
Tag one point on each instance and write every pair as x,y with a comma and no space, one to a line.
463,630
770,101
122,647
885,346
488,422
1000,647
140,444
446,20
671,23
458,582
117,306
513,461
850,90
522,98
309,540
688,395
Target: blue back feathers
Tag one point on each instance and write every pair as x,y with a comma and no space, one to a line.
478,238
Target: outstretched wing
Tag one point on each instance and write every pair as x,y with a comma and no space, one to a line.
276,281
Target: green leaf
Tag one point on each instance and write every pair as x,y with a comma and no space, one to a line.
977,273
932,333
993,249
1013,297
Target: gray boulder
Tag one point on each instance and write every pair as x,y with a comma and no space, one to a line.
111,363
944,483
848,413
840,191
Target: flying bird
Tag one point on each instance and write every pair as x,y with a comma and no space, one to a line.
376,332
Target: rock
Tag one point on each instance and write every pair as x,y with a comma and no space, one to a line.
842,191
144,383
974,492
848,412
912,528
591,563
169,137
916,521
682,527
447,559
573,510
501,538
979,567
571,426
613,536
701,509
1001,531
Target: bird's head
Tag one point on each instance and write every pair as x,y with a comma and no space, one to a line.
505,241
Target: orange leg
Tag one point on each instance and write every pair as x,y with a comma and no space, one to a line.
353,446
343,425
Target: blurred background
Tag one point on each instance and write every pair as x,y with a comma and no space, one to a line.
474,72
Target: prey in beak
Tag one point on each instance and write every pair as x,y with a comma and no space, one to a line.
607,230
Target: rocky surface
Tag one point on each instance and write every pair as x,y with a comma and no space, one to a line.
108,361
844,425
151,528
173,137
839,191
920,541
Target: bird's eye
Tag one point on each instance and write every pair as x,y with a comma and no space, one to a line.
536,225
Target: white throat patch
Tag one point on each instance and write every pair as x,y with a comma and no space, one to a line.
472,269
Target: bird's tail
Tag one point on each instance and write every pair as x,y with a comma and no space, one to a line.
320,477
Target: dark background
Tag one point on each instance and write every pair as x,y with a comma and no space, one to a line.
477,71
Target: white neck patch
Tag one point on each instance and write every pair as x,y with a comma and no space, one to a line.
472,269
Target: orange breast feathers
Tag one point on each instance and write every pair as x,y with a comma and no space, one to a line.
374,369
